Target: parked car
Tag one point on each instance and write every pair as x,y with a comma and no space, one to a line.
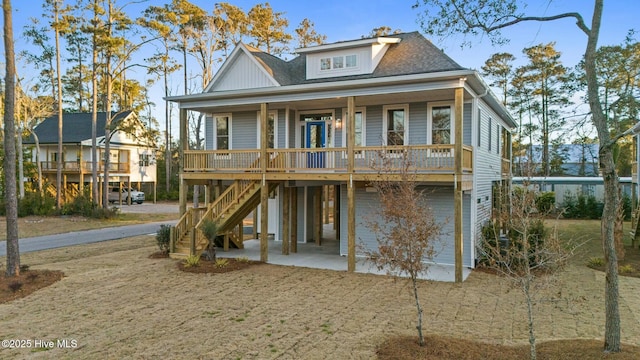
136,196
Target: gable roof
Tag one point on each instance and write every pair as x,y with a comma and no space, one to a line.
76,127
413,54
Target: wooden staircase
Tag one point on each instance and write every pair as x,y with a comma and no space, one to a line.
68,194
228,211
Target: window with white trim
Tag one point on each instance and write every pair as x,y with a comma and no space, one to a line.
360,115
222,131
338,62
440,124
395,123
145,160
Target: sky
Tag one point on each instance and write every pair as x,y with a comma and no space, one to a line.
351,19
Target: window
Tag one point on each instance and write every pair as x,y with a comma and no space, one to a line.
490,132
498,131
338,62
351,60
441,125
325,64
222,131
395,124
359,127
479,128
145,159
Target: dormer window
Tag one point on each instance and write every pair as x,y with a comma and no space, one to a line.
338,62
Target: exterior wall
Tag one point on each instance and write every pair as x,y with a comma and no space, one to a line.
242,74
441,201
488,166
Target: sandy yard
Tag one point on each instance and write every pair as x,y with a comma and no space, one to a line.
115,302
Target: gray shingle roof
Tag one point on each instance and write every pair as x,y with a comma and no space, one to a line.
76,127
412,55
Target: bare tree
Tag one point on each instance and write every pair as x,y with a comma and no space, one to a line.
11,196
405,228
474,17
529,255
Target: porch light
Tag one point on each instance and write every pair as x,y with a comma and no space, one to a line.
338,123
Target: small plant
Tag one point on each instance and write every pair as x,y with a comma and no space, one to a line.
15,286
163,238
595,262
192,261
242,259
625,269
545,202
221,263
210,230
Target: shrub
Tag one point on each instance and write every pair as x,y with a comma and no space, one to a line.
163,238
595,262
35,204
545,202
210,230
242,259
625,269
222,262
192,261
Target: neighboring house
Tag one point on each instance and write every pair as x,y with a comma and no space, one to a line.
566,160
564,186
132,159
278,132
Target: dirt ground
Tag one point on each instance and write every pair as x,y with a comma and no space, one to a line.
116,302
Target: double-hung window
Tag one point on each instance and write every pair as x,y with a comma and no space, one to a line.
222,131
395,122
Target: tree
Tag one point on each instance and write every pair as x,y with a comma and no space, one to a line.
490,17
499,68
546,80
306,34
404,226
59,25
383,31
268,29
233,24
529,256
11,196
156,20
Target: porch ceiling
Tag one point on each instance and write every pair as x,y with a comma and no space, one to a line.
341,101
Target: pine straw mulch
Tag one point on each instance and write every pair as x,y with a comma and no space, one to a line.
442,347
211,267
12,288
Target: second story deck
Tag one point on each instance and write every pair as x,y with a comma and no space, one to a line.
430,163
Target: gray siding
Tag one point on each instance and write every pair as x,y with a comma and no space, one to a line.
466,124
208,132
244,130
417,124
441,200
282,123
292,128
374,125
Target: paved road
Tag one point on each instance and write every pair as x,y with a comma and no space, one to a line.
83,237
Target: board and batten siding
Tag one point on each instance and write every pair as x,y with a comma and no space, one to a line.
441,201
242,74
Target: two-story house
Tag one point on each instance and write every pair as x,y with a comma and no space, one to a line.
283,130
132,159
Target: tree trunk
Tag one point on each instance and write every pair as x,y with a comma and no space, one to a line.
11,198
59,100
20,162
38,163
532,338
414,280
94,117
610,178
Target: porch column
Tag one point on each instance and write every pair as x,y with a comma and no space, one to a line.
264,190
317,218
184,145
351,191
458,109
285,221
293,244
